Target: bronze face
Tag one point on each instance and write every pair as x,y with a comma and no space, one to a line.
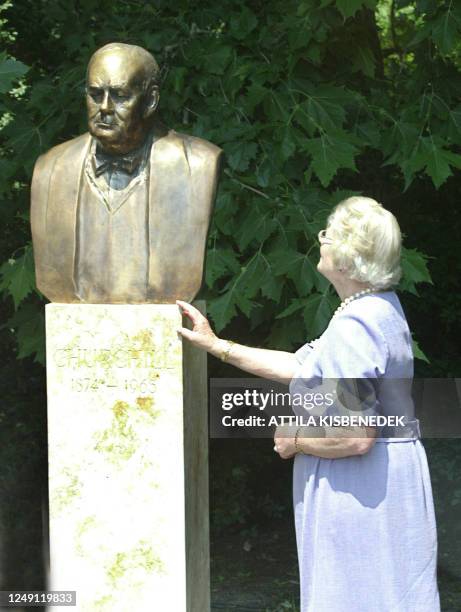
120,103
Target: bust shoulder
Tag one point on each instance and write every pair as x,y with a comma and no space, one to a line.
193,145
73,144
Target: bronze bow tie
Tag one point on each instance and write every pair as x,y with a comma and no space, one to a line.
126,163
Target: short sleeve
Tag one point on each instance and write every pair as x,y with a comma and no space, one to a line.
355,361
347,367
354,348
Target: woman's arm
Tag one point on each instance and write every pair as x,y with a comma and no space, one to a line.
339,442
275,365
356,354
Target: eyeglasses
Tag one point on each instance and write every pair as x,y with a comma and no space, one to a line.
323,238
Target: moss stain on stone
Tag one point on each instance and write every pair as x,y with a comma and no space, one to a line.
143,340
82,529
146,404
119,441
104,603
64,495
142,556
120,410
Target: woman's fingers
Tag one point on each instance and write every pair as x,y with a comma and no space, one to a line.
201,335
187,308
186,333
191,312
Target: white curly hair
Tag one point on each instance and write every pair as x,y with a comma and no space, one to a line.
366,242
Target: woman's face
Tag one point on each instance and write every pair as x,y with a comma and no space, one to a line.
326,267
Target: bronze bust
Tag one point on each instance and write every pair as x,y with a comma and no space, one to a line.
120,214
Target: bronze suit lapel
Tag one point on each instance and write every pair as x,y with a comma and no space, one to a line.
181,193
61,215
169,216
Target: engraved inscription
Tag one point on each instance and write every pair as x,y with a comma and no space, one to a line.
117,357
88,384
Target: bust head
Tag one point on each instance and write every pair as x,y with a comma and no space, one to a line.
365,242
122,95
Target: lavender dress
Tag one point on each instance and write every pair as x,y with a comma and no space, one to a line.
365,524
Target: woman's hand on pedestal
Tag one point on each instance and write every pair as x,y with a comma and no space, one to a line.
201,334
274,365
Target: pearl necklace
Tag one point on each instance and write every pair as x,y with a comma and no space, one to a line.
344,303
350,299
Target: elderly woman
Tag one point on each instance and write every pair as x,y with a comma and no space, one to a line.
364,513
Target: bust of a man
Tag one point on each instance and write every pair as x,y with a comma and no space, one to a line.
121,214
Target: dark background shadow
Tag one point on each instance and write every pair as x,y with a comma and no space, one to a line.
23,477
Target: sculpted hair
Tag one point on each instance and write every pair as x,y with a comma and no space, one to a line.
151,70
366,242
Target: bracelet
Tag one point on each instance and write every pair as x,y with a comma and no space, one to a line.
297,449
227,350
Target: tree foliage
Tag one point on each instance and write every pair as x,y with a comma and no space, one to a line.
311,100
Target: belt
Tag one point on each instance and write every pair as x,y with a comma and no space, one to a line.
402,433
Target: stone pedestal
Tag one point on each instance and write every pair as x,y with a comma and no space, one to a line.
128,480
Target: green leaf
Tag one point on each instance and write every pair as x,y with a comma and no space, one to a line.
454,124
7,168
239,154
363,60
399,142
17,276
322,109
217,61
418,353
255,226
421,34
252,273
298,267
26,141
286,334
431,156
277,107
288,145
438,161
445,31
28,324
414,270
317,313
295,305
177,77
348,8
244,303
369,133
300,35
264,173
255,94
10,71
220,263
222,309
242,23
271,287
329,154
225,211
